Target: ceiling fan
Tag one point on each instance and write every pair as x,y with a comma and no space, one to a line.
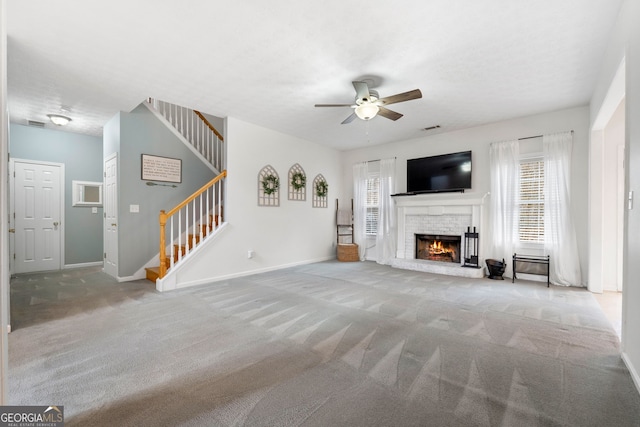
368,103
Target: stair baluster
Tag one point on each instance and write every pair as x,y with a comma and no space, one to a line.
199,223
195,128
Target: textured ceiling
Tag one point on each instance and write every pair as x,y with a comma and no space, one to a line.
269,62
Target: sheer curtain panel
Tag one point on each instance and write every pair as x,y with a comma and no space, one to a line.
504,164
386,233
360,175
559,234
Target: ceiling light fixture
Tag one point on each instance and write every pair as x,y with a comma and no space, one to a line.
367,111
59,120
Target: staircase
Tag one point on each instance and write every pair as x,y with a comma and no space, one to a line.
195,129
188,225
180,250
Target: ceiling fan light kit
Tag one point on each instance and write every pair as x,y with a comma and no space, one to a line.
368,103
367,111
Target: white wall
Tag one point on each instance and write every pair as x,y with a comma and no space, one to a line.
82,159
293,233
478,139
624,44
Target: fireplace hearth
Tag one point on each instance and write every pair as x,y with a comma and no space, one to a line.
443,248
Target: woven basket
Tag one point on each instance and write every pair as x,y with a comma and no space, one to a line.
348,252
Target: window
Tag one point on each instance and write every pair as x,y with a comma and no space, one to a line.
373,190
86,193
531,201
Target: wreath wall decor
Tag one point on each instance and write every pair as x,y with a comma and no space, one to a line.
297,183
322,188
270,184
268,187
320,191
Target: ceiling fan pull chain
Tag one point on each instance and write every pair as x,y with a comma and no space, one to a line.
367,132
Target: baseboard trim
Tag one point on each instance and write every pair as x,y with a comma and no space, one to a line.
136,276
83,264
632,370
245,273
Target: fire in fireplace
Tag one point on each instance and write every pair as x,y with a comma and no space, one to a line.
442,248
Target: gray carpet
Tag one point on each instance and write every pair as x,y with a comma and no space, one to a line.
327,344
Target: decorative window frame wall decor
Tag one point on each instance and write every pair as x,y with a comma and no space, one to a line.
297,183
320,192
268,187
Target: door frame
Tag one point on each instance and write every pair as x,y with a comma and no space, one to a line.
12,210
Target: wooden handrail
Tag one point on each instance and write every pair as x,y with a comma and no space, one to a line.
165,215
209,125
202,189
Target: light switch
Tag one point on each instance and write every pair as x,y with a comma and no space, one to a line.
134,208
94,210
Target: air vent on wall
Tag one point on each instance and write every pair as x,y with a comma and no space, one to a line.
36,124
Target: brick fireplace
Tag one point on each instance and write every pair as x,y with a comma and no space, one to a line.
437,215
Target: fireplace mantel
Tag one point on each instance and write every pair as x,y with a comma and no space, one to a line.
436,214
439,200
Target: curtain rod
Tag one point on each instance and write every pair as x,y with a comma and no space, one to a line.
377,160
535,136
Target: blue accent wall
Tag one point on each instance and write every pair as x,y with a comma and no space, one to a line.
82,159
130,135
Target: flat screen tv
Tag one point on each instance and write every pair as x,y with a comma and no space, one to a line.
446,172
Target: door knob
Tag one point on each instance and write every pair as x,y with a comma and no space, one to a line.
113,225
55,224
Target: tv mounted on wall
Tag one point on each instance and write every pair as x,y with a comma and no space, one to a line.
446,172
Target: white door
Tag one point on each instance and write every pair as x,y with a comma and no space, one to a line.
111,216
38,216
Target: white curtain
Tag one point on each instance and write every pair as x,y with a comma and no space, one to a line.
386,233
504,163
559,235
360,175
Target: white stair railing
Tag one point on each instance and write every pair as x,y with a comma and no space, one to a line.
195,128
187,225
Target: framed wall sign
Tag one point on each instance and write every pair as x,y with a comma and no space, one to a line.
166,169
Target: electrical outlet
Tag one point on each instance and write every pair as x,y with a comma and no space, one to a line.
134,208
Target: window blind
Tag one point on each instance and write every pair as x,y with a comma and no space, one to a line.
373,191
531,222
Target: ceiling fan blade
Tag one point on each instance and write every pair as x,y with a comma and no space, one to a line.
333,105
401,97
362,90
349,119
389,114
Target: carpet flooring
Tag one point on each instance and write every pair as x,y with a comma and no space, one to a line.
326,344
